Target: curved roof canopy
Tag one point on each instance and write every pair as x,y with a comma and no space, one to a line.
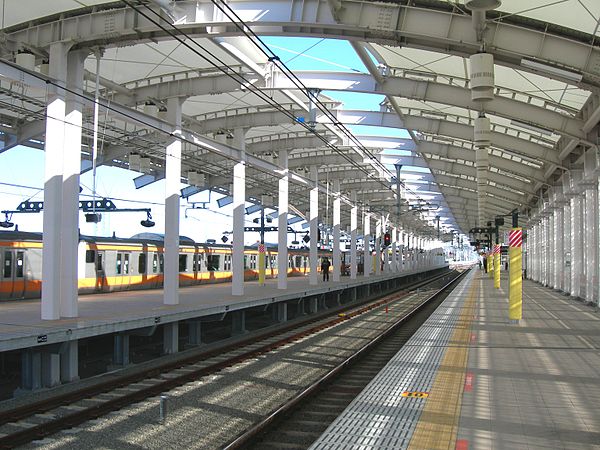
394,89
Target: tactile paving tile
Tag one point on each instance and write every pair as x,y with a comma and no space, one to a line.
380,418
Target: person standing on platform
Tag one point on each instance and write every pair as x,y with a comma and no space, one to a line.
485,264
325,268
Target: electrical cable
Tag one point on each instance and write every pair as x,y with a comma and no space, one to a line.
239,79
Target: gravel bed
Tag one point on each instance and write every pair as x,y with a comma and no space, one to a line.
210,412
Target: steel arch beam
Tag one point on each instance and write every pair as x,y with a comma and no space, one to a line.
386,23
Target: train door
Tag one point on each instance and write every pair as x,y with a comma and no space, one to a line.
100,272
19,274
12,277
7,275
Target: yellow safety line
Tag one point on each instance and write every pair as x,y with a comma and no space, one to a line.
438,424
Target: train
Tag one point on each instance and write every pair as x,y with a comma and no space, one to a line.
108,264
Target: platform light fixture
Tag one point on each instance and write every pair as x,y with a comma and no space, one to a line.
6,223
552,70
147,222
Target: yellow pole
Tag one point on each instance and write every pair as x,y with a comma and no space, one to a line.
261,264
497,266
515,263
490,264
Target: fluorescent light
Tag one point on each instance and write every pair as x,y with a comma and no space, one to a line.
253,208
224,201
534,128
552,70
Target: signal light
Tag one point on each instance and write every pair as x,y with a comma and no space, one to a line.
387,239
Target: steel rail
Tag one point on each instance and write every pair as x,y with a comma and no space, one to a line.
251,434
76,418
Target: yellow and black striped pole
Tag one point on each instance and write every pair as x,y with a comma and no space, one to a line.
497,266
515,286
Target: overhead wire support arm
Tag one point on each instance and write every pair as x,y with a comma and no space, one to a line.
239,79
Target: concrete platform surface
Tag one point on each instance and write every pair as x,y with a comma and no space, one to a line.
496,385
21,325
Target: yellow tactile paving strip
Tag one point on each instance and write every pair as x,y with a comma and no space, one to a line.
438,424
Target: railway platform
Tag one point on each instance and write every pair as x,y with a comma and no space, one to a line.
50,349
469,379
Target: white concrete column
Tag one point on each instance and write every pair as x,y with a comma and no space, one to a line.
401,251
353,237
591,242
532,253
378,226
53,180
394,267
558,249
567,258
539,253
543,250
367,259
576,246
69,230
551,251
239,211
282,218
172,187
314,226
335,264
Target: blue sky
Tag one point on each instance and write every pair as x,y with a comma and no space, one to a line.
25,166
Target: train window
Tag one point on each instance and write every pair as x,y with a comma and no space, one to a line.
227,262
161,262
253,261
20,265
290,262
7,272
119,263
198,257
154,263
213,262
99,263
298,261
126,263
142,263
90,256
183,263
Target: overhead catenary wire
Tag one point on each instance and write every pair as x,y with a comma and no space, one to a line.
151,126
292,76
272,57
223,66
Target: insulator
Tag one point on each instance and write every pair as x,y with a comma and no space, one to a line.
482,136
482,77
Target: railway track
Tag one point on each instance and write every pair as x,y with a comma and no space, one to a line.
22,425
298,423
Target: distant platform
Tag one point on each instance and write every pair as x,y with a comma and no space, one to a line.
468,379
22,327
